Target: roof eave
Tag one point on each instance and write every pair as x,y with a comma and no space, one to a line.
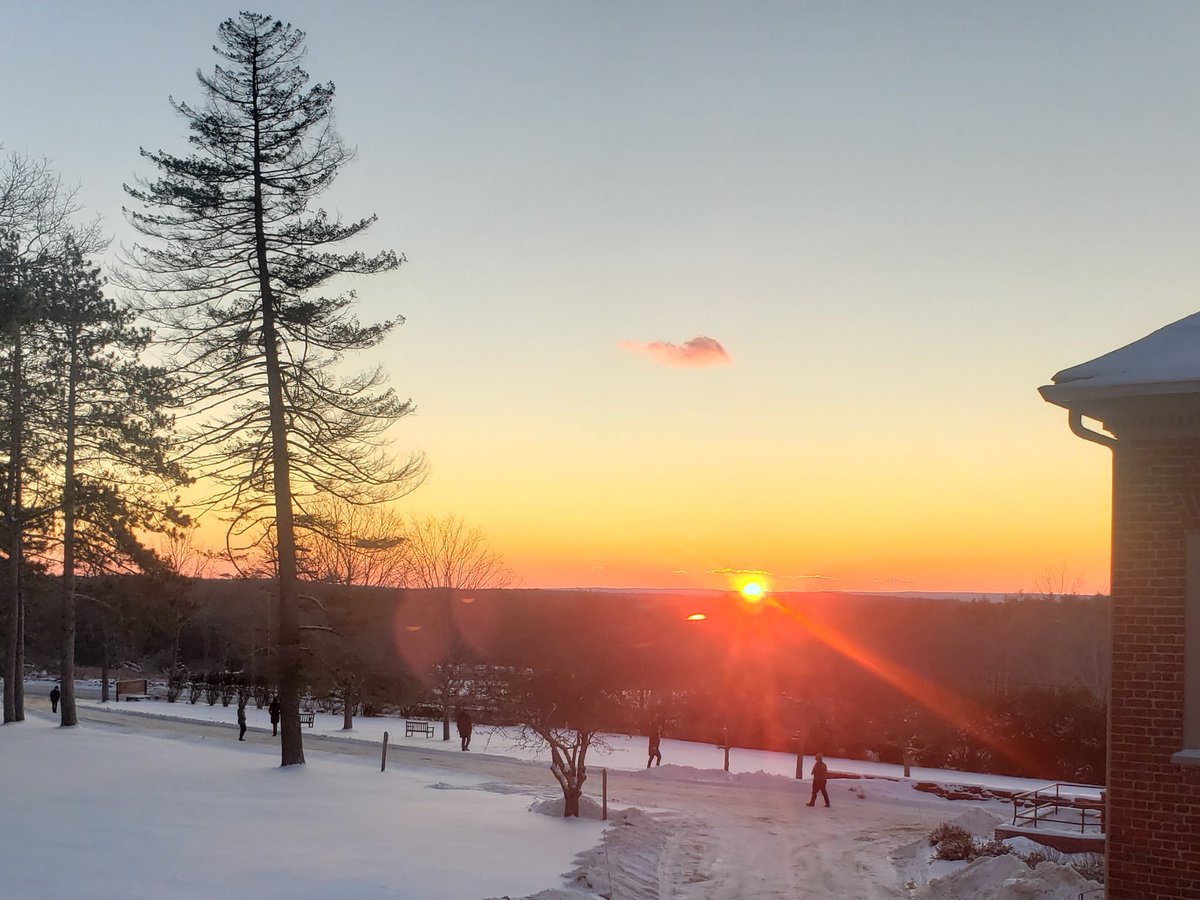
1082,394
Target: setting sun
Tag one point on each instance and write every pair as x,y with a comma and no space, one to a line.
752,591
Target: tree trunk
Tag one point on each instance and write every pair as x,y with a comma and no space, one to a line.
291,741
104,659
66,667
569,771
347,710
447,679
14,659
571,802
19,684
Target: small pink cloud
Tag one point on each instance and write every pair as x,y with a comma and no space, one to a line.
698,352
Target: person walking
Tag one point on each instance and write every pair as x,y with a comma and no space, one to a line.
655,741
820,774
55,693
463,721
273,709
241,718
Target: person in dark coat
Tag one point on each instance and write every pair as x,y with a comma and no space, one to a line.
241,719
463,721
55,693
820,773
655,741
273,709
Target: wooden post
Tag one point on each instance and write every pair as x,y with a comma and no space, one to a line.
907,764
383,761
725,744
799,764
604,795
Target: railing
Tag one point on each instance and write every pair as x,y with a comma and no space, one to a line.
1059,803
1092,894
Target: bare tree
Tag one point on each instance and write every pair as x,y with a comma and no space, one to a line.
443,553
351,544
1058,582
181,554
559,706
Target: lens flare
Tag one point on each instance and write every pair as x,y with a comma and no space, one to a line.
697,617
753,591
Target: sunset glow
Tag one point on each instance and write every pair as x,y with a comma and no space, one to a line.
752,591
834,426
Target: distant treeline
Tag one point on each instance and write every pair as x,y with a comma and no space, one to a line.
1015,687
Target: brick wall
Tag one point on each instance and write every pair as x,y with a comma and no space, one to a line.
1154,804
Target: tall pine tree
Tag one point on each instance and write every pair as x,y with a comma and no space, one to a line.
238,252
110,414
37,224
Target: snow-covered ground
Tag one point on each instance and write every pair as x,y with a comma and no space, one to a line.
153,800
618,751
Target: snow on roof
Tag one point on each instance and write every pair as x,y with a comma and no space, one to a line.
1166,361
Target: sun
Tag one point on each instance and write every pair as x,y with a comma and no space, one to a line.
752,591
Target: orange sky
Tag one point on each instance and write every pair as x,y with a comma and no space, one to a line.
687,293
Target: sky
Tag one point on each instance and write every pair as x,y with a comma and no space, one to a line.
695,288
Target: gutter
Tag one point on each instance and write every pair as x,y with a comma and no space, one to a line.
1075,417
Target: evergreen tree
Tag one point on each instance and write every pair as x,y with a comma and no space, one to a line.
36,225
238,252
110,412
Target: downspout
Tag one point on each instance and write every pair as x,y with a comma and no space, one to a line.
1075,417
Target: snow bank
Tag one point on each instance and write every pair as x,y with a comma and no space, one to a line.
553,806
978,821
1007,878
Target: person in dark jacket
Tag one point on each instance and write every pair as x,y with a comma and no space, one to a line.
273,709
241,719
55,693
463,721
655,741
820,773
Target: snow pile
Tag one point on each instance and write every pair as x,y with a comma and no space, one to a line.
978,821
630,860
553,806
1007,878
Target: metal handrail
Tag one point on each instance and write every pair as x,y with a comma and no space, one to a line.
1029,806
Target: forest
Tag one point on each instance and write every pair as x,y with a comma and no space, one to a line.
1013,687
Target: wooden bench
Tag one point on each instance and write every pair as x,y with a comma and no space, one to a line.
411,728
307,717
133,690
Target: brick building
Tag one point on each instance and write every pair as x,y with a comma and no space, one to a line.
1146,396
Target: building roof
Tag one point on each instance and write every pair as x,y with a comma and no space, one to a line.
1166,361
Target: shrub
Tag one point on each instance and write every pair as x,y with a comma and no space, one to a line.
991,848
952,842
944,831
176,679
1091,867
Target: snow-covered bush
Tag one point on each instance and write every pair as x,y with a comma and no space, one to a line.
952,842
